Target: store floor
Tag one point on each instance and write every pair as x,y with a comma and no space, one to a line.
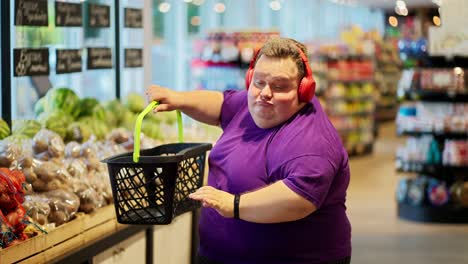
379,236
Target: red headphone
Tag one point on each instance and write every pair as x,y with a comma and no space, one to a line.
306,89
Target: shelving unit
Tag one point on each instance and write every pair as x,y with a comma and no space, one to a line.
388,74
349,100
438,178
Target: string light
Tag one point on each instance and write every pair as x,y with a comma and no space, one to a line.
198,2
164,7
219,8
275,5
400,8
195,21
393,21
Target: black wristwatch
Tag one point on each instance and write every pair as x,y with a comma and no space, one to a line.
236,206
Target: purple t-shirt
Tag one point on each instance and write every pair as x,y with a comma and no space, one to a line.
307,154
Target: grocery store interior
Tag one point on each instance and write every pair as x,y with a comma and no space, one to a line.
389,74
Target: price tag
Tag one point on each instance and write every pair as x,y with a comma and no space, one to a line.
31,13
99,58
133,18
98,15
133,58
68,14
30,62
68,60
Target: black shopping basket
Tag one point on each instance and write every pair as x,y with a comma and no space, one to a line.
154,188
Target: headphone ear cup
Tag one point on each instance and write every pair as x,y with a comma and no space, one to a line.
248,78
306,89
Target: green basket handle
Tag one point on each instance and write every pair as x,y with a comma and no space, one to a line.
139,120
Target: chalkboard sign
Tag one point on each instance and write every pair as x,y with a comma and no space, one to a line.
99,15
133,18
99,58
133,58
29,62
31,13
68,14
68,60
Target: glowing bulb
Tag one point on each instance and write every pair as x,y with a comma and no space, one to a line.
164,7
275,5
219,8
187,1
393,21
198,2
401,4
436,20
195,21
458,71
404,11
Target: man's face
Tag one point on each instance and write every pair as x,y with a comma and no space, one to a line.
272,95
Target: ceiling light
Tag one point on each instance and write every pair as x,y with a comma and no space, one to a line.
275,5
219,8
164,7
393,21
187,1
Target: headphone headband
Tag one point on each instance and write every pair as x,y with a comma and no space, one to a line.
306,89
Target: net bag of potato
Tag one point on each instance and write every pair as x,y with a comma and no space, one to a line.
153,188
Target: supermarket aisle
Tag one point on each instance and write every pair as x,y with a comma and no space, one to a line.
378,235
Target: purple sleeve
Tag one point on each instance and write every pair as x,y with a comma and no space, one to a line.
310,176
233,101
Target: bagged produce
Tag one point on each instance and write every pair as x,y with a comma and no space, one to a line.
90,199
50,142
9,152
51,175
37,207
11,193
6,232
12,213
72,150
76,167
63,206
